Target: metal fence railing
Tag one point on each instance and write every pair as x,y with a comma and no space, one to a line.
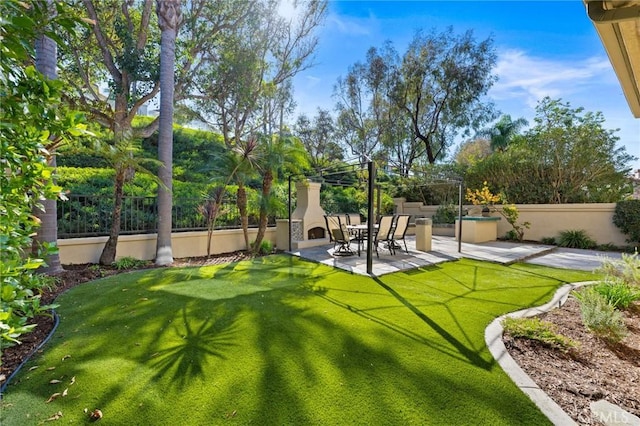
90,215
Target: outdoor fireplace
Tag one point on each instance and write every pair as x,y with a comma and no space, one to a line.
315,233
307,220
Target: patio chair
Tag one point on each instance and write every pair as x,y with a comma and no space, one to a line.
399,232
339,234
384,234
354,220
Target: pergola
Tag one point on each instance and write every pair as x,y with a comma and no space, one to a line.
371,211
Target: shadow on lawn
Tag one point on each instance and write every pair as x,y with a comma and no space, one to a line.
194,344
470,354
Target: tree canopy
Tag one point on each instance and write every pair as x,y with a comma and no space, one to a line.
568,156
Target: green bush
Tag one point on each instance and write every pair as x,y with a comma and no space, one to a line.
446,213
128,262
31,112
576,238
600,316
627,218
536,329
618,293
266,247
551,241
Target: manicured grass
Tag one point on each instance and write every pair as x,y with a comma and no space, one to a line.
279,340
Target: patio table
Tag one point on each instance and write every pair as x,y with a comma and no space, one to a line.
360,230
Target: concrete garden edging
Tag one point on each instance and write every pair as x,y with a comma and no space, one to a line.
493,340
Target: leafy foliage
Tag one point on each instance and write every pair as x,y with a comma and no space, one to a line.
566,157
537,329
575,238
600,316
483,197
548,240
627,218
128,262
627,269
510,212
447,213
31,112
618,293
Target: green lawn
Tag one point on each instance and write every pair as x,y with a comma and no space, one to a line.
280,340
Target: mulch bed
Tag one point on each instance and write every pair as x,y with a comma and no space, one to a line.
593,371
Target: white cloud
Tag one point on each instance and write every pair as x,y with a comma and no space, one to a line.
532,78
350,26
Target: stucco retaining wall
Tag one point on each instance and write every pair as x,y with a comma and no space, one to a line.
143,246
547,220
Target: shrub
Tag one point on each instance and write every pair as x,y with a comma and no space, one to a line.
446,213
536,329
618,293
549,241
576,238
627,218
266,247
600,316
627,269
607,247
128,262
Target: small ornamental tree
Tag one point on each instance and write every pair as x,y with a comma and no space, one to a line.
485,197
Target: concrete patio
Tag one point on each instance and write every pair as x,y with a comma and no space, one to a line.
445,249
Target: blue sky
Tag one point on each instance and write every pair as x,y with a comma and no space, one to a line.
544,48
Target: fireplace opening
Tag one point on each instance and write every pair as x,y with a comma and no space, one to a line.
315,233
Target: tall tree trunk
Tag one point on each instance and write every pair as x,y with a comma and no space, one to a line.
108,255
169,16
242,209
267,181
46,62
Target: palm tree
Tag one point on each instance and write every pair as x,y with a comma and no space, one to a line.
46,62
277,152
122,157
169,17
236,164
503,132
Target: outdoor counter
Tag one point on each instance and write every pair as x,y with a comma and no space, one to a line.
478,229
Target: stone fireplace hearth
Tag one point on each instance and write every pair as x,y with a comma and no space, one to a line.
308,228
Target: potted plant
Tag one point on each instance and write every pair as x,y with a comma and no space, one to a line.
483,197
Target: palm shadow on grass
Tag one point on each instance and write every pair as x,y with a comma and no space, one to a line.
186,359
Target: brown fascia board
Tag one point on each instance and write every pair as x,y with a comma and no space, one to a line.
619,31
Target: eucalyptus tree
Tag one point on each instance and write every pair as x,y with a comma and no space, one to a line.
245,88
318,138
251,69
169,17
441,84
359,103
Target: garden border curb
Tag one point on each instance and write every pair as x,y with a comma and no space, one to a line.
493,340
56,322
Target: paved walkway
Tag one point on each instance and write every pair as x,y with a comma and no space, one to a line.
446,249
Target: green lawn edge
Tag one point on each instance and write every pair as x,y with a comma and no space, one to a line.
280,340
